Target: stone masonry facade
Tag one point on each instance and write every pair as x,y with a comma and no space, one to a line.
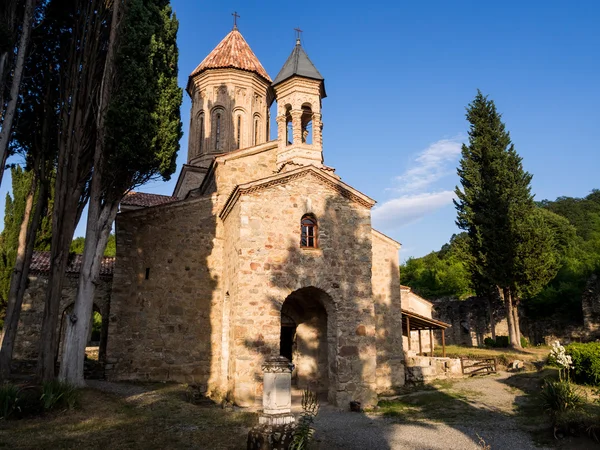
209,285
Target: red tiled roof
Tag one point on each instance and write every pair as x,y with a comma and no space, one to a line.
143,199
233,51
40,264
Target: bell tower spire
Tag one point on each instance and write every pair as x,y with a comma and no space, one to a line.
299,89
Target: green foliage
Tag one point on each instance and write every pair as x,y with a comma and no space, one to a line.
58,394
500,342
586,362
79,242
560,396
9,400
143,119
524,342
9,238
304,432
489,342
580,243
440,274
96,326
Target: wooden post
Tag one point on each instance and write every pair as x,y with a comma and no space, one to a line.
420,345
408,330
431,342
443,343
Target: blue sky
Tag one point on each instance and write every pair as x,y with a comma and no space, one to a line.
399,76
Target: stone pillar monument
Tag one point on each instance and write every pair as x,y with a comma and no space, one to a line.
275,427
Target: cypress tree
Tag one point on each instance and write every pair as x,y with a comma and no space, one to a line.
139,128
496,208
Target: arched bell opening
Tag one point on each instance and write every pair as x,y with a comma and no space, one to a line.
289,125
307,124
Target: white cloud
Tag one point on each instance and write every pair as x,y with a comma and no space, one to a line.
409,208
420,190
432,164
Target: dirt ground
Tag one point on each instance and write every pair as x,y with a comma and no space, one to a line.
494,411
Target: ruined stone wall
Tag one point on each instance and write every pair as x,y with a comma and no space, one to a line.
166,312
386,296
272,265
470,320
590,304
32,312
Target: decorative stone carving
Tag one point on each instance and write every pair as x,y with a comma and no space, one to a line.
277,385
275,428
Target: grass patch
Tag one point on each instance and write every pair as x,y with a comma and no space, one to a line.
449,406
158,419
503,355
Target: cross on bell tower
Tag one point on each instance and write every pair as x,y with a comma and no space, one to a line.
236,16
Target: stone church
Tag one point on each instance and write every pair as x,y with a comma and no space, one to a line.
261,251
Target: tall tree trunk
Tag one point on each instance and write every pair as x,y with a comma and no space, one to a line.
77,326
13,307
516,321
11,107
75,157
3,59
101,215
492,319
510,318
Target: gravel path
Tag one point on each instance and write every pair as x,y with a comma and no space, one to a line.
491,406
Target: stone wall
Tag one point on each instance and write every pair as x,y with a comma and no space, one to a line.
423,369
32,312
166,318
388,313
590,304
470,320
244,166
271,266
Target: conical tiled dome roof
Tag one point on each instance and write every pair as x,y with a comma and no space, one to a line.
232,52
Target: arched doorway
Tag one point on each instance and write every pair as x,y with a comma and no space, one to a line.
308,338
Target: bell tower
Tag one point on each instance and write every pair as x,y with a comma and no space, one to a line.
299,89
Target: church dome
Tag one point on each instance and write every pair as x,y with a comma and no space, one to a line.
232,52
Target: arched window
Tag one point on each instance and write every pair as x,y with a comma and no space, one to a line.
218,132
201,133
308,231
239,132
255,131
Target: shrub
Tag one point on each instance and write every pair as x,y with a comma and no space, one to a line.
9,400
489,342
524,342
560,396
57,394
501,342
586,362
30,403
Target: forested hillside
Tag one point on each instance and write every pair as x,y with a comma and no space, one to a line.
444,273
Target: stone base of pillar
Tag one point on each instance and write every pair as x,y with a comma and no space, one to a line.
271,437
276,419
